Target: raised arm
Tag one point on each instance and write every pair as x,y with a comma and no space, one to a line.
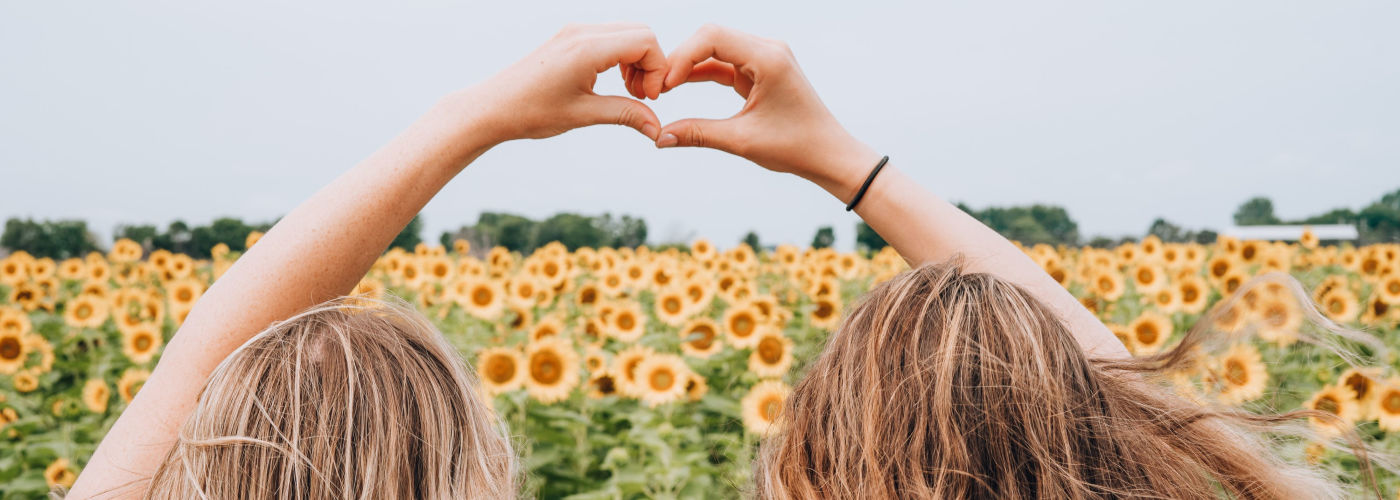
326,245
784,127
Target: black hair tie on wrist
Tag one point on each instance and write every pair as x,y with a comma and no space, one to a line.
861,194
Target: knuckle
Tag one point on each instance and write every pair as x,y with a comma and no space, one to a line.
694,136
626,115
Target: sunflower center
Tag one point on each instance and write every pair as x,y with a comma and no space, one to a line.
696,293
743,326
588,296
662,380
770,350
1236,373
1105,283
9,348
824,310
1391,403
1328,404
626,321
770,408
605,384
1336,306
546,367
500,369
1147,333
707,336
1146,277
482,297
1359,384
142,342
83,311
1393,287
672,305
1219,269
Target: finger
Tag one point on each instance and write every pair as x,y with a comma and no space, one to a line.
629,77
636,47
618,110
722,73
721,43
723,135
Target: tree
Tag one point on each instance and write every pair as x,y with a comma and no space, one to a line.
1029,225
410,236
824,238
1257,211
868,239
627,231
59,239
751,240
1168,232
573,230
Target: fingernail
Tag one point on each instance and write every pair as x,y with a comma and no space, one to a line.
667,140
650,131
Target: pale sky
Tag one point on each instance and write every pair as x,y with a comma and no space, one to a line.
1119,111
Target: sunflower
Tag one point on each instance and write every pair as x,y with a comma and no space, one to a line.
1386,405
587,295
1242,375
37,343
696,387
125,250
672,308
699,338
131,382
184,293
826,313
26,295
1232,282
1229,319
763,406
625,368
13,350
85,312
14,321
1166,300
1389,288
1150,332
661,379
699,293
1123,335
552,369
1192,291
95,395
501,369
252,239
72,269
595,359
612,283
1219,266
520,319
1279,320
1360,384
60,474
1340,305
26,380
1148,278
1107,284
602,384
1332,399
627,323
742,325
771,356
141,343
550,326
702,249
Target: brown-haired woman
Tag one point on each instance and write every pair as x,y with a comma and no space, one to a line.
974,374
353,399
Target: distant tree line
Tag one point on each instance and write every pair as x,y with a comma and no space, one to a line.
1377,222
522,234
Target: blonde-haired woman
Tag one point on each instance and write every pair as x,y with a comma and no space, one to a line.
353,399
974,375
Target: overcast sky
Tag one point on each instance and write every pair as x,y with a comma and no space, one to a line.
1119,111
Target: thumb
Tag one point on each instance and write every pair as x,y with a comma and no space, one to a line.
618,110
695,132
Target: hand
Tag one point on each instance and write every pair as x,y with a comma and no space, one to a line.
550,91
783,125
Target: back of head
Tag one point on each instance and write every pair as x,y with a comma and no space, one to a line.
351,399
945,384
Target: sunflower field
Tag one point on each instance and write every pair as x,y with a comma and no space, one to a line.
628,373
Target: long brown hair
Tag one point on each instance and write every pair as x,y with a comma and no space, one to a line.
352,399
946,384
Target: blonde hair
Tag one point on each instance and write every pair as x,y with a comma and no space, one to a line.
354,398
946,384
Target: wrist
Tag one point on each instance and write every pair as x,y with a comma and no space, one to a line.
842,169
472,119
